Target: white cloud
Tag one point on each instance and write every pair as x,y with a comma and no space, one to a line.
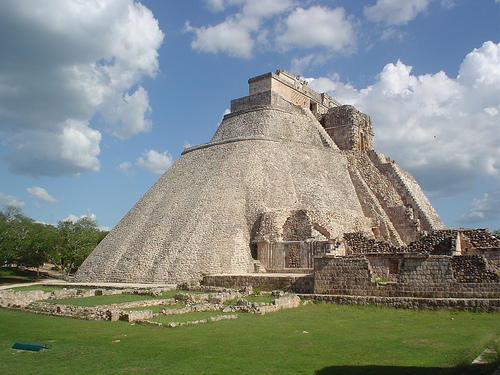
395,12
400,12
125,168
10,200
231,36
442,129
216,5
317,26
239,32
128,114
69,151
155,162
74,218
37,192
62,62
484,209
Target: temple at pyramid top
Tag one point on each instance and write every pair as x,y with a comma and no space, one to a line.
291,88
349,128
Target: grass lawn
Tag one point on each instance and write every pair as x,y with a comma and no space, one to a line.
312,339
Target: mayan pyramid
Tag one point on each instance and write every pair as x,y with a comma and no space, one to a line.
288,172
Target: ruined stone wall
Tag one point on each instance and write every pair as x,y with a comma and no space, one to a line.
426,269
464,304
410,191
359,244
293,283
351,275
349,128
384,267
424,276
382,201
444,242
472,269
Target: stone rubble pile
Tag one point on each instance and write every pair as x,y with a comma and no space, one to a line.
359,244
88,313
472,269
216,318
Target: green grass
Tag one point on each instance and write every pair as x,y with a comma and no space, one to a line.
313,339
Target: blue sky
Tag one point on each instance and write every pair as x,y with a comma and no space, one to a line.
99,98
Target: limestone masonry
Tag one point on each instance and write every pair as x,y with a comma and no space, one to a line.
290,183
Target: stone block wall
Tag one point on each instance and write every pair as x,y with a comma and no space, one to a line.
341,275
359,244
419,276
349,128
465,304
294,283
472,269
425,269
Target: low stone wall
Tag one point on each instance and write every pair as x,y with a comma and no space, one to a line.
464,304
216,318
10,298
419,276
88,313
292,283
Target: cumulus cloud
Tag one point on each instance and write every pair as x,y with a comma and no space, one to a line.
231,36
74,218
10,200
125,168
62,62
154,161
37,192
317,26
400,12
484,209
216,5
444,130
239,33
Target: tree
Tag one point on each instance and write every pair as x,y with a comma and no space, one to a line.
23,242
78,239
43,239
16,232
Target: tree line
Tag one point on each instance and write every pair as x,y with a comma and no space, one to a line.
26,243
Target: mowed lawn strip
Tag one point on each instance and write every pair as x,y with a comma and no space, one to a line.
319,338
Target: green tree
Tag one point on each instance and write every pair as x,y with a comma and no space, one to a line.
78,239
42,240
16,235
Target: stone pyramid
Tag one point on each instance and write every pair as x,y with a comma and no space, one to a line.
288,173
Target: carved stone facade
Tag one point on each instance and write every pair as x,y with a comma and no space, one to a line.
349,128
287,174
